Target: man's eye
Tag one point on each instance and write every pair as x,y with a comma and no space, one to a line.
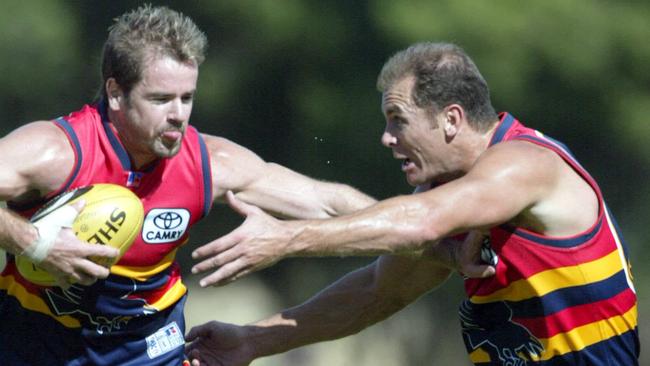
159,99
187,98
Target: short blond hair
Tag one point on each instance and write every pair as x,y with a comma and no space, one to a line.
148,32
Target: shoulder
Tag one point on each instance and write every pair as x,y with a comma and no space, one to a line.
519,159
36,156
224,151
216,144
513,175
548,195
233,166
45,129
42,137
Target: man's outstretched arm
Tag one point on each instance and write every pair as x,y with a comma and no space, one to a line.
502,185
275,189
353,303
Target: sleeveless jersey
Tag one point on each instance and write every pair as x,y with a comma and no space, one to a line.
175,193
553,300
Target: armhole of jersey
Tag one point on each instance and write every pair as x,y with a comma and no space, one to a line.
74,142
566,155
564,152
76,146
207,175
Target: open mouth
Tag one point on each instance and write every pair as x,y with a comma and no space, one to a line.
172,135
407,163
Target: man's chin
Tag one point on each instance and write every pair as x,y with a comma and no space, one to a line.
413,181
168,152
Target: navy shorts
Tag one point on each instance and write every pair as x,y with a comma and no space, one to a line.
34,339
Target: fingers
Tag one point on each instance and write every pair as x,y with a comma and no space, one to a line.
63,217
479,271
63,283
239,206
195,361
202,330
217,246
81,271
219,259
79,262
89,269
226,274
473,262
101,256
193,338
100,253
78,205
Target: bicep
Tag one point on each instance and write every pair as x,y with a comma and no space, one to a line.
272,187
292,195
502,185
35,157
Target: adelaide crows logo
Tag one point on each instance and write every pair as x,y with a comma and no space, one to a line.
77,301
490,328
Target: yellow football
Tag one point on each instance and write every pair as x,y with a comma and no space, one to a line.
112,215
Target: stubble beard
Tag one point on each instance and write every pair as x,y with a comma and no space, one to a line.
164,151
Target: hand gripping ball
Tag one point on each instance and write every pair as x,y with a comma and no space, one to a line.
112,215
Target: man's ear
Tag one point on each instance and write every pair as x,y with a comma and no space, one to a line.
114,94
454,117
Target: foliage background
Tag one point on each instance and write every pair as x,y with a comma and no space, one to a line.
294,80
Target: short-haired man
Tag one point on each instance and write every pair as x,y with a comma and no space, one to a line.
136,135
562,292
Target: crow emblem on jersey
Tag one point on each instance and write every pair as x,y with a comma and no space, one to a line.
75,301
490,328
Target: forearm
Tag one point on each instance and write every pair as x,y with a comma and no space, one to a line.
16,233
345,308
342,199
281,191
355,302
394,226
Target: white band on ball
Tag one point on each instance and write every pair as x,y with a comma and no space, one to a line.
48,229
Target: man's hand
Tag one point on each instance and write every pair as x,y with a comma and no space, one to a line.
468,257
66,257
218,344
257,243
462,255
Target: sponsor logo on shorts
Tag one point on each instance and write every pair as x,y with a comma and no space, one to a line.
165,225
164,340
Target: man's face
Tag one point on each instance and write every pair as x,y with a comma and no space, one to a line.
154,116
413,135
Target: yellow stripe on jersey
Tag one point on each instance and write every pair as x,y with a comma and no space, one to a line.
577,338
170,297
32,302
544,282
588,334
144,273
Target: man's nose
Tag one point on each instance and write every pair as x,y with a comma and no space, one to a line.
178,113
387,139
